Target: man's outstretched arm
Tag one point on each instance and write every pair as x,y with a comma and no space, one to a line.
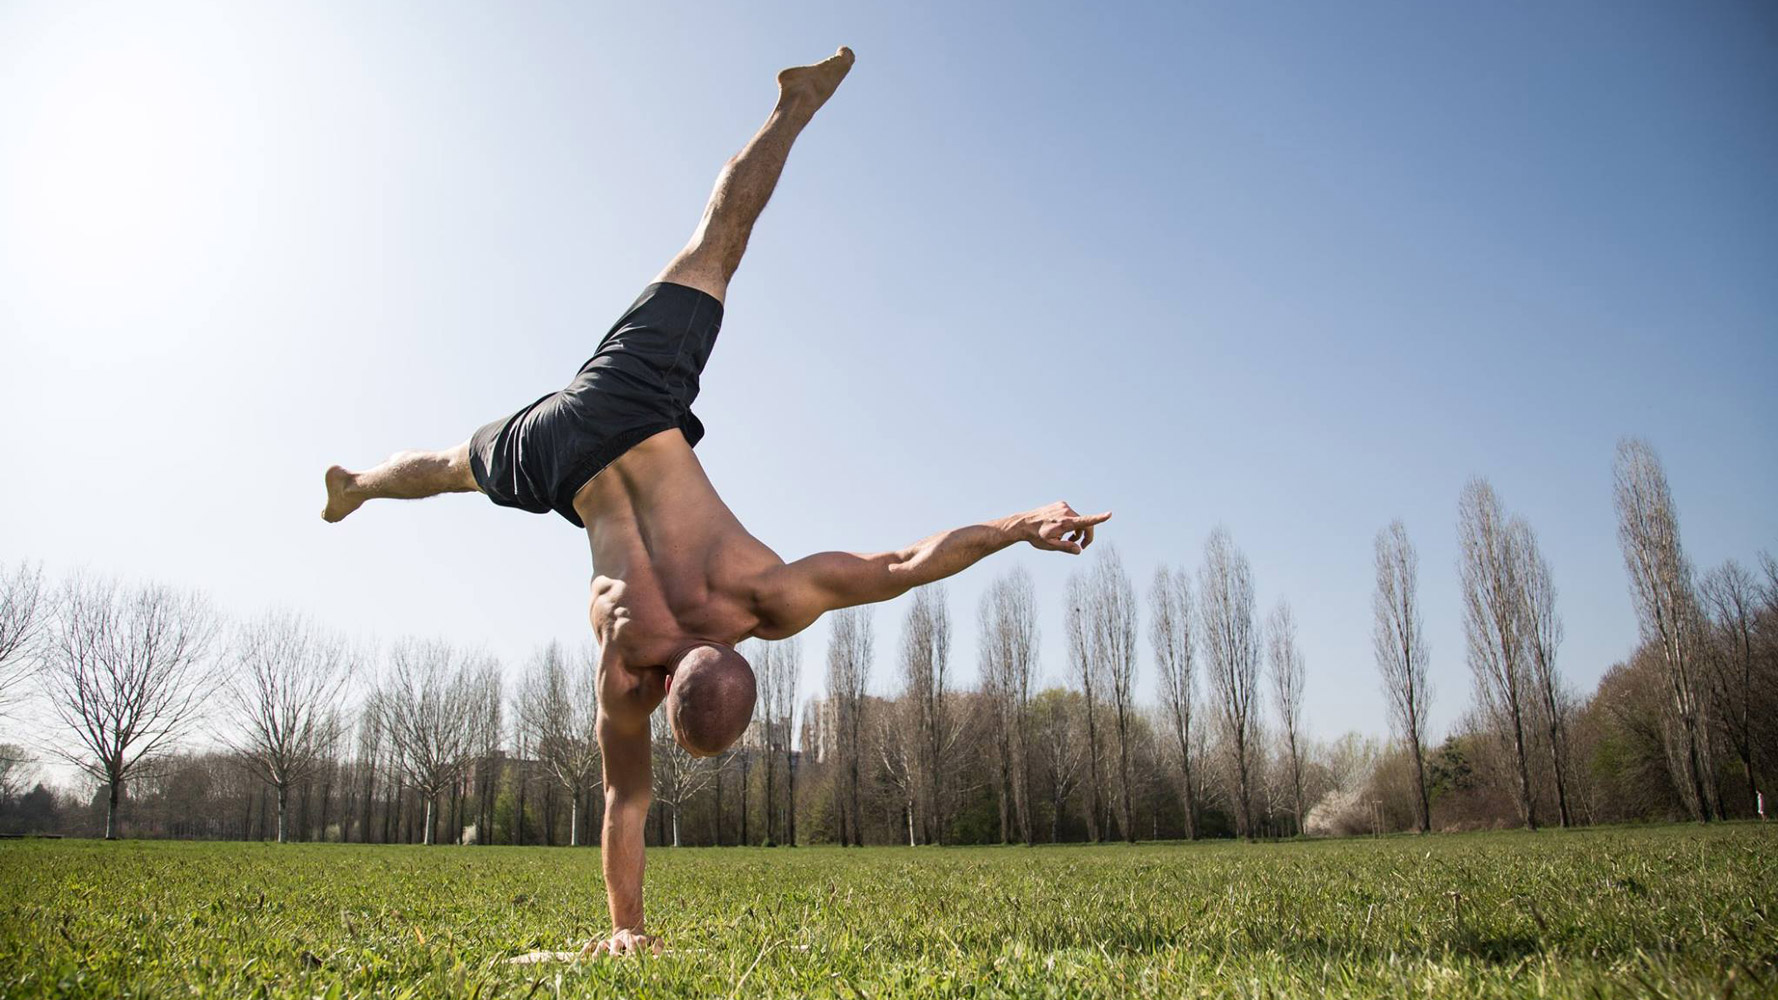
802,591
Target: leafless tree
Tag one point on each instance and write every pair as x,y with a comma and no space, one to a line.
1731,600
1287,687
1088,670
1231,654
926,654
126,673
1059,753
286,686
1009,658
24,612
1170,630
1494,625
1666,606
559,710
488,723
778,666
1400,642
1112,641
849,654
898,743
678,776
1542,629
369,753
428,704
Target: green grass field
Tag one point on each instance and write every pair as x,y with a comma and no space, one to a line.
1673,911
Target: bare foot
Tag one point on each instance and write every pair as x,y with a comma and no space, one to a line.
809,87
341,498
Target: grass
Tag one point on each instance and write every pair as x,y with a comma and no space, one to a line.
1669,911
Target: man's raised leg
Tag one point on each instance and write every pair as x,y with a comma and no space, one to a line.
406,475
747,180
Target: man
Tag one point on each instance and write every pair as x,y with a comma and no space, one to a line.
679,581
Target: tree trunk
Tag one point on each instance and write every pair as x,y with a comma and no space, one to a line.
114,793
1420,784
574,819
428,831
790,789
283,802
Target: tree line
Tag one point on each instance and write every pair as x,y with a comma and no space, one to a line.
274,728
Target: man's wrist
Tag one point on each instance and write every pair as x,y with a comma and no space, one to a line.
1017,528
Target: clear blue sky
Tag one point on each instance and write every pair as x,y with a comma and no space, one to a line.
1292,269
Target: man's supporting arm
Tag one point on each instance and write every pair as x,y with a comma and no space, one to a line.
804,590
628,790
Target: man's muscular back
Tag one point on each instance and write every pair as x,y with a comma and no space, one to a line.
689,571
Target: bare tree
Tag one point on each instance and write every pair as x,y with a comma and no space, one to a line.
1731,600
1170,631
778,666
1287,686
926,654
1543,635
1494,624
1088,670
1231,654
678,776
1057,722
898,742
849,654
125,672
286,689
1112,638
559,711
1399,638
428,705
1666,606
24,612
1009,657
488,724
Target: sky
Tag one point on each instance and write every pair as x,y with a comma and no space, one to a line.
1294,270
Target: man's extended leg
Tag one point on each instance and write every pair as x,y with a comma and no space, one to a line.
406,475
746,182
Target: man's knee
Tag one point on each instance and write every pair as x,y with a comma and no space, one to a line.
699,269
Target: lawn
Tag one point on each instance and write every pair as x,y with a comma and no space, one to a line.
1668,911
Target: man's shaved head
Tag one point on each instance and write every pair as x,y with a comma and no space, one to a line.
710,693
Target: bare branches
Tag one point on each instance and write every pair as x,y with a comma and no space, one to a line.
24,613
124,670
1287,687
1170,631
286,688
429,704
1111,603
558,710
1494,624
1666,606
1400,642
1008,643
1231,654
926,654
1542,631
849,653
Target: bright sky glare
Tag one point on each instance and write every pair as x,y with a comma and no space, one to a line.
1292,270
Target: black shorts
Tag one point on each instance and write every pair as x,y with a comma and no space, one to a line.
640,381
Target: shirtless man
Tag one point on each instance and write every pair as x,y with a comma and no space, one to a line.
678,580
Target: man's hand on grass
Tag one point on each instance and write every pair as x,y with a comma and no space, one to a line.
623,942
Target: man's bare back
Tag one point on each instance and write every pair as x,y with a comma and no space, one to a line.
678,580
